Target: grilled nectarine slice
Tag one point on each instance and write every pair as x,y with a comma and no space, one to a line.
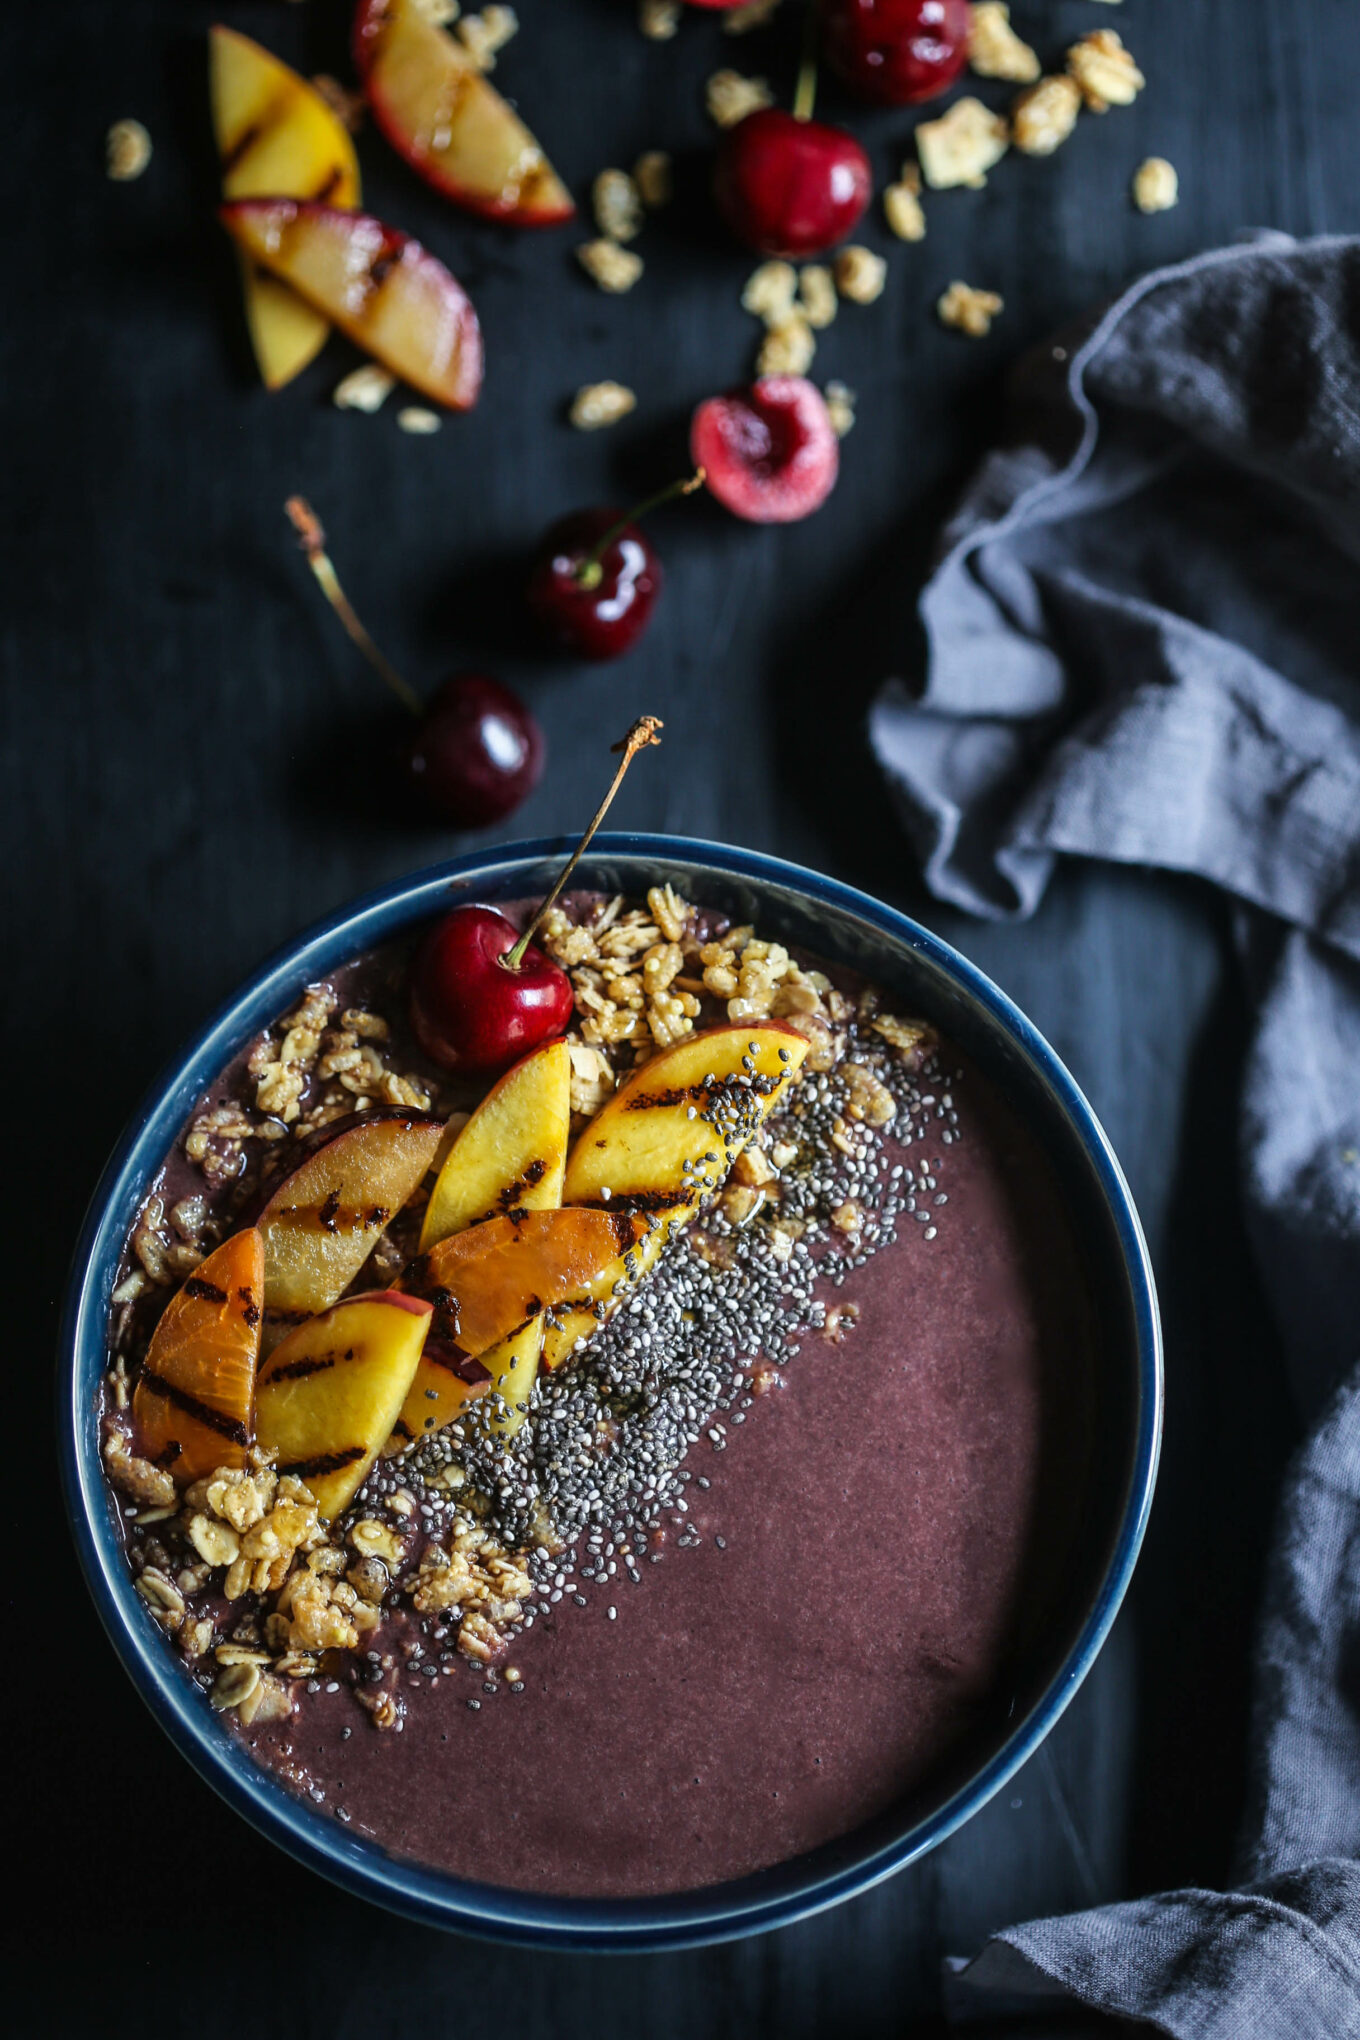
327,1398
277,138
392,297
323,1221
194,1401
509,1157
451,125
646,1151
493,1278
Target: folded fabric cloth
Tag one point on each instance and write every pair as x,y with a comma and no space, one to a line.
1143,639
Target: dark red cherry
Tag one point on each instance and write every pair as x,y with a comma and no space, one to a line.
593,599
469,1011
770,452
477,751
896,51
790,187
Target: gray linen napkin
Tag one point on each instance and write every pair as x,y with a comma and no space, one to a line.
1143,637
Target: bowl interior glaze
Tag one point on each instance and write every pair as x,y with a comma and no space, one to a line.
798,907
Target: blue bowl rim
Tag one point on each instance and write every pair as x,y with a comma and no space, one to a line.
314,1838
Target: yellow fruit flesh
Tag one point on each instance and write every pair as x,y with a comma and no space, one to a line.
328,1396
277,138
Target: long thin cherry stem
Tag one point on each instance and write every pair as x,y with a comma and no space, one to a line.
805,91
589,572
646,730
307,525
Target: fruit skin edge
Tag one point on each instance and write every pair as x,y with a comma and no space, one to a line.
801,906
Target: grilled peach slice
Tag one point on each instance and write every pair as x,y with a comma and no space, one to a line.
490,1280
509,1157
643,1149
277,138
323,1221
327,1397
194,1401
450,124
647,1153
511,1154
392,297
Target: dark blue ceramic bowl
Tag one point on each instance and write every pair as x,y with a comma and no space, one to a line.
797,906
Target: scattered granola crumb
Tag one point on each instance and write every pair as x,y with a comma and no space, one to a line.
365,388
754,14
1156,187
840,408
788,347
994,48
1104,70
615,269
652,176
601,403
617,205
769,292
1043,117
730,97
969,311
902,207
860,274
962,145
817,299
348,107
415,418
483,34
659,19
127,150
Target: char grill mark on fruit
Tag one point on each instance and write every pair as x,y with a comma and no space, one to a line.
247,140
327,186
452,1359
208,1292
298,1369
250,1310
328,1462
201,1412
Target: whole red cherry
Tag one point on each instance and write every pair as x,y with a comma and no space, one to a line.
896,51
789,186
594,583
477,752
770,452
471,1012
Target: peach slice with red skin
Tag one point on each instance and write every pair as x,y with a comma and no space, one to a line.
391,296
277,138
449,122
509,1157
327,1397
669,1133
193,1405
324,1219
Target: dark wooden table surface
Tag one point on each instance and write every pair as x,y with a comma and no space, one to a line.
191,774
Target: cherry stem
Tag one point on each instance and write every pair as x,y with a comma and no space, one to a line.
312,538
805,91
646,730
589,572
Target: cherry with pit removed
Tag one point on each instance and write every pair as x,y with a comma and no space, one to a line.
790,186
897,52
477,751
770,452
597,615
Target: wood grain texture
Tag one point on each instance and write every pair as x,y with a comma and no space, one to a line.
190,775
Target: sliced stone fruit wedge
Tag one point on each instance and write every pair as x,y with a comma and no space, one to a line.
323,1221
193,1405
277,138
509,1157
392,297
669,1134
327,1397
496,1277
451,125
